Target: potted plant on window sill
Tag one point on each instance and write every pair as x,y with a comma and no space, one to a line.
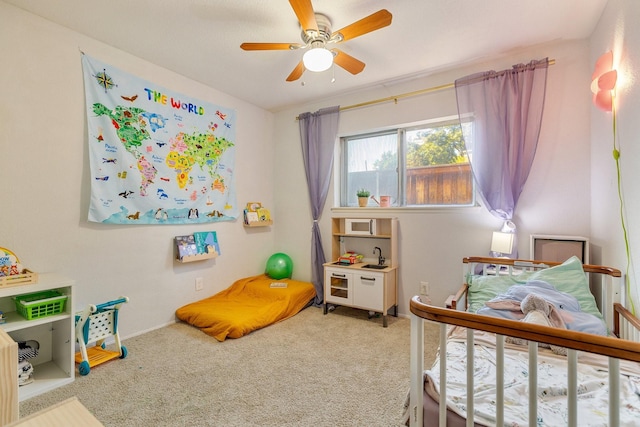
363,197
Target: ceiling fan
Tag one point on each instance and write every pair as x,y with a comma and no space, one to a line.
317,34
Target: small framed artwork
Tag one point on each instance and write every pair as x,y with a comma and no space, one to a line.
556,248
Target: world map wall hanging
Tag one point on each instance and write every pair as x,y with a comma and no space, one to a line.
156,156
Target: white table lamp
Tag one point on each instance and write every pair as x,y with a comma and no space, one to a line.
502,243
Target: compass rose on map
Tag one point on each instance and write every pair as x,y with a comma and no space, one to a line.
104,80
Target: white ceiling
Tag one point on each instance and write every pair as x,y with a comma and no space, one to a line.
200,39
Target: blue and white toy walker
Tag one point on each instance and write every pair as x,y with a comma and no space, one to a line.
94,324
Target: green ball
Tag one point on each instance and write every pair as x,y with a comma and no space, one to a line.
279,266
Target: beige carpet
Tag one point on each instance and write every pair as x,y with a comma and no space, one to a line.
339,369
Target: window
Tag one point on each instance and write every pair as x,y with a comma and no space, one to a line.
424,165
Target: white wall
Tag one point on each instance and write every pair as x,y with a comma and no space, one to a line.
46,193
617,31
555,200
45,176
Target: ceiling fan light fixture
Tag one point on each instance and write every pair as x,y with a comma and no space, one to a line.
317,59
316,35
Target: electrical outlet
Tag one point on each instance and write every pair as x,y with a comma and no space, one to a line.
424,292
424,288
199,284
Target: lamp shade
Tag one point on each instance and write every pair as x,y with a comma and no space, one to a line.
502,242
317,59
603,82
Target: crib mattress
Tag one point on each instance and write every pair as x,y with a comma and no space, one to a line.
592,389
248,304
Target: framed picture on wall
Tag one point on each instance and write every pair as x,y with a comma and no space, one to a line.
556,248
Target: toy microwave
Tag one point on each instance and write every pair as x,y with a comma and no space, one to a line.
360,226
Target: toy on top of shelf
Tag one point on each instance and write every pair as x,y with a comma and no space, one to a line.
12,272
9,262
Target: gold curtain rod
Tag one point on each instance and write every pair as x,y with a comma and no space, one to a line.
407,94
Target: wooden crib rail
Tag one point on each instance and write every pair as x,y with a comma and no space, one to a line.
607,284
625,324
614,348
606,346
537,264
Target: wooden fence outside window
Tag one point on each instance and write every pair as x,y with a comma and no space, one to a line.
440,185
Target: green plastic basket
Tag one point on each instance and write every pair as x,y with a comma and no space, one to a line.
40,304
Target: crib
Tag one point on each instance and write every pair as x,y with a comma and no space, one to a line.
615,356
95,324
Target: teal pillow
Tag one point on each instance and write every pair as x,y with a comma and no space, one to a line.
567,277
485,288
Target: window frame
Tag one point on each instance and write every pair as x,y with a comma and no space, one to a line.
401,167
344,195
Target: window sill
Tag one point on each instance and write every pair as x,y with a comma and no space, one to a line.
372,210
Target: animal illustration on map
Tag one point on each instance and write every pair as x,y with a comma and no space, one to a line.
161,215
215,213
109,160
161,194
125,193
129,98
193,213
135,216
102,178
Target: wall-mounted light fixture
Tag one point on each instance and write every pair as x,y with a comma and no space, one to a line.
603,82
603,86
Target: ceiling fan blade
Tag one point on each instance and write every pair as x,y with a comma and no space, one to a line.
296,73
270,46
348,62
306,15
375,21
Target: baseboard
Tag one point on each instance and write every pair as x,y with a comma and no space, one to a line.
144,331
111,340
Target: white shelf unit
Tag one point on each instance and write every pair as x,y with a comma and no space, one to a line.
54,366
